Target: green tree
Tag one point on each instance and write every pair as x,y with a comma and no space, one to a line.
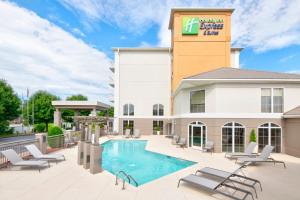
9,106
67,114
41,103
109,112
252,136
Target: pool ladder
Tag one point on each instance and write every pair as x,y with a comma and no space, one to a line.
129,178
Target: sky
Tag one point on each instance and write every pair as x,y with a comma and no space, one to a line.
64,46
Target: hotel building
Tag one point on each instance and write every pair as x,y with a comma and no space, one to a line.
197,90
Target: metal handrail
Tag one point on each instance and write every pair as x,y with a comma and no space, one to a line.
128,178
136,184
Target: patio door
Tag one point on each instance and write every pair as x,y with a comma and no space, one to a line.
198,136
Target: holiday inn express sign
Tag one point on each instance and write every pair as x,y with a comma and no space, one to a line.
209,26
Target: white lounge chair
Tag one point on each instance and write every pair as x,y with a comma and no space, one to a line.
263,157
16,160
127,133
37,154
249,152
182,142
209,146
136,133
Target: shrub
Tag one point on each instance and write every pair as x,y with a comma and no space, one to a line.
54,130
41,127
252,136
56,139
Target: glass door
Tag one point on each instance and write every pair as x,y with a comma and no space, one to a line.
198,137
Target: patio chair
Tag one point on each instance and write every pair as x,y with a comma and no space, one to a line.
175,139
127,133
242,180
16,160
264,157
182,142
136,133
69,140
37,154
209,146
215,186
249,152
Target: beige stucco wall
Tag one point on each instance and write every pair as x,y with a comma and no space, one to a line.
214,128
292,137
145,125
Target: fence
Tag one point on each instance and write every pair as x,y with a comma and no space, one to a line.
18,146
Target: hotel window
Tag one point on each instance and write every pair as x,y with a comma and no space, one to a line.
272,100
128,110
277,100
158,127
158,110
128,124
269,134
197,101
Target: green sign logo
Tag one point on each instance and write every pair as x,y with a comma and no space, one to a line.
190,25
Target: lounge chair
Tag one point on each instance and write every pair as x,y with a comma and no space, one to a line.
182,142
242,180
37,154
136,133
264,157
175,139
127,133
16,160
249,152
215,186
209,146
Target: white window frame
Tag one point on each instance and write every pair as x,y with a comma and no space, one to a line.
269,133
272,101
128,109
233,129
158,104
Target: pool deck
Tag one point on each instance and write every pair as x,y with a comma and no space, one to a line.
67,180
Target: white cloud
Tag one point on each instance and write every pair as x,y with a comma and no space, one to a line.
259,24
39,55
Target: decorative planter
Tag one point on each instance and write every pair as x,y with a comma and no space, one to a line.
158,132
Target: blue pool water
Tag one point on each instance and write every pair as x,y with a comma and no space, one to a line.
144,166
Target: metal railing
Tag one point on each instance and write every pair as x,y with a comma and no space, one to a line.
129,179
18,146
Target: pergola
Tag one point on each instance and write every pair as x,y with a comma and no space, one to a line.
77,106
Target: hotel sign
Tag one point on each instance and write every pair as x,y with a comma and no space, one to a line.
208,26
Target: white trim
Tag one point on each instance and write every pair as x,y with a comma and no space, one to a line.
145,117
269,133
291,116
213,81
197,125
233,132
211,115
230,115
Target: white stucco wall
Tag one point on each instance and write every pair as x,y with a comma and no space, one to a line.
144,80
236,98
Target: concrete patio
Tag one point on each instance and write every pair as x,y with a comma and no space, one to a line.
67,180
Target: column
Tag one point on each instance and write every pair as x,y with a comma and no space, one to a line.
96,153
42,142
77,113
80,145
57,117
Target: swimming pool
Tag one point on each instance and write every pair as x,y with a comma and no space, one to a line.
144,166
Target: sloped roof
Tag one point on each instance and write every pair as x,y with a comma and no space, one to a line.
292,113
234,73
